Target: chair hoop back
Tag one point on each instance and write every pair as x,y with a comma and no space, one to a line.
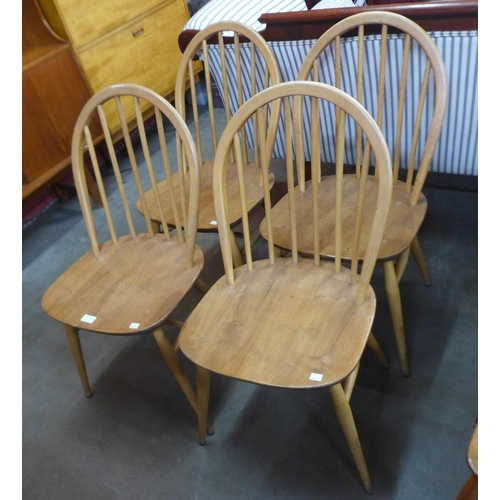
110,106
344,104
241,72
434,62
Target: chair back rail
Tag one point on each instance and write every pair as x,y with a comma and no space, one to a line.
110,100
242,76
417,44
346,108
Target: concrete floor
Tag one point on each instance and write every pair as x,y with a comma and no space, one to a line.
136,437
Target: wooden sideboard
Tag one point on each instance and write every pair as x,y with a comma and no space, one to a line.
74,48
122,41
54,92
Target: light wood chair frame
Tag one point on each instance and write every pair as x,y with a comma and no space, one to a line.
197,333
82,143
394,265
186,81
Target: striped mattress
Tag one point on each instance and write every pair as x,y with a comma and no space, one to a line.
457,149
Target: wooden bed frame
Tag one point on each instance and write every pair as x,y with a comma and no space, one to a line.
434,15
311,24
442,16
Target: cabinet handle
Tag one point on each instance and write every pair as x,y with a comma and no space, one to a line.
138,32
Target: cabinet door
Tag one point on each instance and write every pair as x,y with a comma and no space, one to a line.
146,53
53,96
86,20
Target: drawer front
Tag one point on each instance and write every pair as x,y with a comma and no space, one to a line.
86,20
145,53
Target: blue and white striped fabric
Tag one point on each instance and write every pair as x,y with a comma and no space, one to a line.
457,149
335,4
244,11
249,11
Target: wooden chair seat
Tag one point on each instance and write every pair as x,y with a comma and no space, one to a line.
403,221
133,278
289,322
139,281
207,220
280,324
421,67
235,87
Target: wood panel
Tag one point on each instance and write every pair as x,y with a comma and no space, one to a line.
129,58
310,25
53,96
54,92
446,16
85,20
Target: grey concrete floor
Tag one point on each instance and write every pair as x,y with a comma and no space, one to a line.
136,437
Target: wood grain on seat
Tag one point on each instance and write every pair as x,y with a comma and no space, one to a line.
247,80
421,67
290,322
132,279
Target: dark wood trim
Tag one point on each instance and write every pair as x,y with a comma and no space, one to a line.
442,16
311,24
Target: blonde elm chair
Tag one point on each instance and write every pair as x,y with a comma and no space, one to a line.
246,65
132,279
421,67
469,490
292,322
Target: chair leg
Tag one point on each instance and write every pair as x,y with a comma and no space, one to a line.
344,414
172,360
203,391
402,263
156,227
255,236
237,257
349,381
76,350
394,300
418,255
469,490
377,350
201,286
93,189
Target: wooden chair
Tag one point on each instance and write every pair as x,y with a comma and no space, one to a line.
469,490
239,81
129,282
422,67
291,322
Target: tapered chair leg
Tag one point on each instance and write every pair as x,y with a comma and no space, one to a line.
237,257
203,391
76,350
349,381
418,255
344,414
402,263
172,360
469,490
394,300
377,350
201,286
156,227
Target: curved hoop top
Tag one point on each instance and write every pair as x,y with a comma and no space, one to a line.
344,102
134,90
413,30
220,27
81,135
